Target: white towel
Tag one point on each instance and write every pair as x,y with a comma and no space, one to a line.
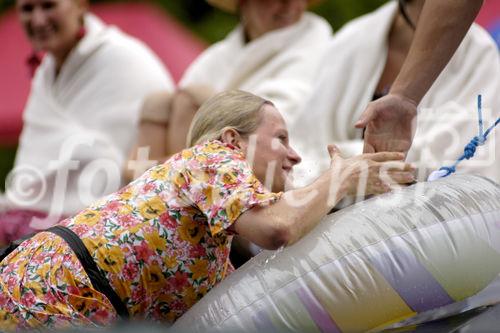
280,66
83,122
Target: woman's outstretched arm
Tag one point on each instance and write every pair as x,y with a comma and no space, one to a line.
299,211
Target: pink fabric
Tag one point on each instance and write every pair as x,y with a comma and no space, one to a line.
489,14
16,223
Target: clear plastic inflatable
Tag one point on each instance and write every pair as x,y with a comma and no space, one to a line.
416,254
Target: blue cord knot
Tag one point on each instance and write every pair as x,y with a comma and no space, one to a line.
449,170
470,148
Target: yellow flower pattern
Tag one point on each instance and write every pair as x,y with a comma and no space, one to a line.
159,173
190,231
155,241
161,241
87,217
111,259
199,268
152,208
170,262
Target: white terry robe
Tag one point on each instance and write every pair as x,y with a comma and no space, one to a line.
447,115
79,126
280,66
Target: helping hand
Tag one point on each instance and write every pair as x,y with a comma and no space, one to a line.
389,124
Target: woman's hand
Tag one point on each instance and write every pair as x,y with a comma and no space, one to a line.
367,174
299,210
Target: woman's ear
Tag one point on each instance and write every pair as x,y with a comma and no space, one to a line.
232,137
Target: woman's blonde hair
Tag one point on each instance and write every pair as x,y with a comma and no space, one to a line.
234,109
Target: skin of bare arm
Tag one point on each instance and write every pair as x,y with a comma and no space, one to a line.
285,222
389,122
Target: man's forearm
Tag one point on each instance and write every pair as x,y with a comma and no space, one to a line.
441,27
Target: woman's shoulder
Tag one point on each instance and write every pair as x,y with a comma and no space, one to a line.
317,25
212,151
209,154
110,43
478,37
215,56
111,53
124,47
477,54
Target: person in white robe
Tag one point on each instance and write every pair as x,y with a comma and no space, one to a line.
357,67
279,65
81,117
274,53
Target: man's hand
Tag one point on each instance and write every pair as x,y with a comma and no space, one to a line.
389,124
441,26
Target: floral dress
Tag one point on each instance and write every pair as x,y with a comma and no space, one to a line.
163,242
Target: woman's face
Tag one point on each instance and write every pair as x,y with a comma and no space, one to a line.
269,152
52,25
262,16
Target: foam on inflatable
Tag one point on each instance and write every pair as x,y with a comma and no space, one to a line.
408,256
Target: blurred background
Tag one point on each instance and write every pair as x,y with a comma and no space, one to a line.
177,30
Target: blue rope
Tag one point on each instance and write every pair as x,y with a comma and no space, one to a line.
480,114
478,140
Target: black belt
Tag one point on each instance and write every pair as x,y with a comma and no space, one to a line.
96,276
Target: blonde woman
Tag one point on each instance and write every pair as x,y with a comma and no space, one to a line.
154,248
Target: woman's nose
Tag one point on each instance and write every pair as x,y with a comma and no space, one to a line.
294,157
38,17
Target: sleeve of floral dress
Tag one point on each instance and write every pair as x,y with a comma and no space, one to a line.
220,183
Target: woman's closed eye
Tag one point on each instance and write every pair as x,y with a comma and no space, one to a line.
283,138
48,5
27,8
